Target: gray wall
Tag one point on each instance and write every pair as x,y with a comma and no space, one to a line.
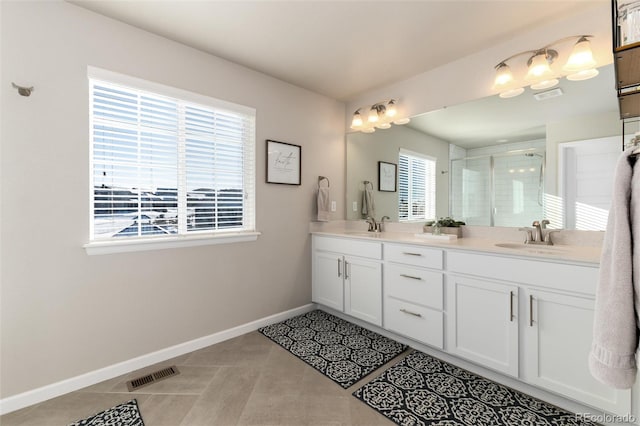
64,313
364,150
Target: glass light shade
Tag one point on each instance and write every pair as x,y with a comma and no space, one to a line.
539,68
544,84
368,130
512,93
373,115
401,121
503,76
583,75
581,57
357,120
383,126
391,110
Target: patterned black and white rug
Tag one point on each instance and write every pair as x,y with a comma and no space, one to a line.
125,414
340,350
424,391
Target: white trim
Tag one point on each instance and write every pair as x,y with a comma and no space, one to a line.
96,73
143,244
44,393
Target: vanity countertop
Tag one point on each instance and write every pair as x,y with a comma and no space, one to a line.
558,253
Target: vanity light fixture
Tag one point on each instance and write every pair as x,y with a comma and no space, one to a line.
540,75
379,116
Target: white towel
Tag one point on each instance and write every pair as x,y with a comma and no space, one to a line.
368,205
615,329
324,205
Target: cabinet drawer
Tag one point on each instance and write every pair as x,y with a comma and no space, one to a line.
351,247
413,255
557,276
416,322
417,285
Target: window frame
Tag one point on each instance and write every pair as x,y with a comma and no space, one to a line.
193,238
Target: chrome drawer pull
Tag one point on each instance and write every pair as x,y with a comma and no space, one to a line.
410,313
410,276
511,306
411,254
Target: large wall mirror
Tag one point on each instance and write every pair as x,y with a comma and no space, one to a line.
498,162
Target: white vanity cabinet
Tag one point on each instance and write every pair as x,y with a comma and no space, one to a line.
413,293
556,340
347,276
483,322
503,310
528,318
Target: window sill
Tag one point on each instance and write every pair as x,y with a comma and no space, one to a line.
144,244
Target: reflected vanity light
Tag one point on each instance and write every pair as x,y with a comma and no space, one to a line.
580,65
379,116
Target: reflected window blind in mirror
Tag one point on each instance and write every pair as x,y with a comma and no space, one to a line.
416,186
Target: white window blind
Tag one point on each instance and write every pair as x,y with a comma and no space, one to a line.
167,162
416,186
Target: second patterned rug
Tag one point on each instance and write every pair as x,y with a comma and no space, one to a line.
424,391
342,351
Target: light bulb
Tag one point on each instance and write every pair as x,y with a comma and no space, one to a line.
539,67
373,115
581,57
357,120
391,109
503,75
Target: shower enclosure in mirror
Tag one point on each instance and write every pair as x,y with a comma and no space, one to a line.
504,189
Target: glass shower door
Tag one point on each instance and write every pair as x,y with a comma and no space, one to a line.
518,195
470,198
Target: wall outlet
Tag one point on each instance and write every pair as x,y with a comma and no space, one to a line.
355,206
333,206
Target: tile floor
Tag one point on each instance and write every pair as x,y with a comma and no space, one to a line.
248,380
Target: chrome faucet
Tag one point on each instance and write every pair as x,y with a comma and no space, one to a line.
376,226
536,235
537,232
373,226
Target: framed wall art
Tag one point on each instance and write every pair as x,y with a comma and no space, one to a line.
387,176
284,163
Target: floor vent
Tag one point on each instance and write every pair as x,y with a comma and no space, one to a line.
152,378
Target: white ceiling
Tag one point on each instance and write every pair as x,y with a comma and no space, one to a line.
338,48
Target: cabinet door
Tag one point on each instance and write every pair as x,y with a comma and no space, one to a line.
483,323
363,289
557,339
327,284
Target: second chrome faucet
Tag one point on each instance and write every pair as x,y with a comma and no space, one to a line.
376,226
537,234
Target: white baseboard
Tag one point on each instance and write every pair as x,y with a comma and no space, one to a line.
44,393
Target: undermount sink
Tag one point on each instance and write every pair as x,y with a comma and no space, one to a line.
532,248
